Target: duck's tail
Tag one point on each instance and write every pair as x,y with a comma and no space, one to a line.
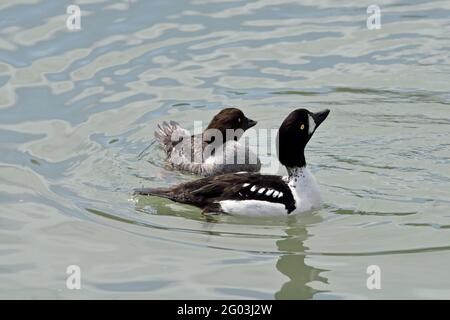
169,134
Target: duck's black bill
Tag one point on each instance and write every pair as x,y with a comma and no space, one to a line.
320,116
251,123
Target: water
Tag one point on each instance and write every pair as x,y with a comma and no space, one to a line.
77,108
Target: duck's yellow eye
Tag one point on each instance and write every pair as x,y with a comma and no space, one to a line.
302,127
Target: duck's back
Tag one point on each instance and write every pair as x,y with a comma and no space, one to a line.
196,156
232,157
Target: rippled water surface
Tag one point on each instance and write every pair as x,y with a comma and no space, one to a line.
78,107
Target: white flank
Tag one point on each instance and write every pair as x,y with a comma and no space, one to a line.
253,208
303,187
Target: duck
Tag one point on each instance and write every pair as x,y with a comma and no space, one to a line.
213,152
254,194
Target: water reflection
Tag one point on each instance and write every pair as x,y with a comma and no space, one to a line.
293,265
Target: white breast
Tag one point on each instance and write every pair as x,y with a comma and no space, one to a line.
305,190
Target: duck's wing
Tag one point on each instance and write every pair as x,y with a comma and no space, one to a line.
207,193
170,134
238,187
187,155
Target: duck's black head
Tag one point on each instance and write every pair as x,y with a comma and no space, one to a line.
230,118
294,134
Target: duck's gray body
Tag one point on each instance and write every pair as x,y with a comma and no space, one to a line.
191,153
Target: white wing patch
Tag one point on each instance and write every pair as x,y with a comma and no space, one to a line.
268,192
311,124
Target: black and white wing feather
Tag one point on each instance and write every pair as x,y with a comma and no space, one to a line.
206,193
